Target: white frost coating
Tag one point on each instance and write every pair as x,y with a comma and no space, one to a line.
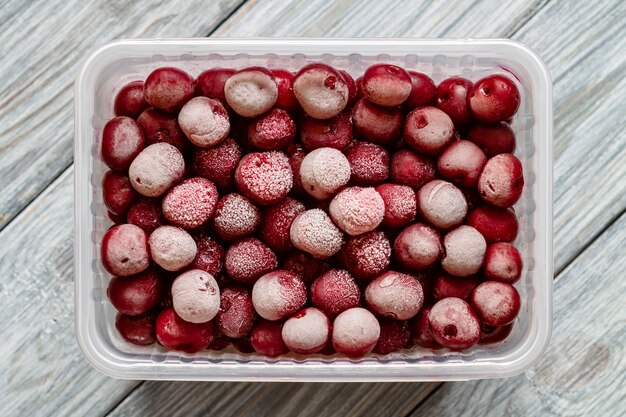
442,204
395,295
307,331
324,171
196,296
313,232
357,210
464,251
201,124
278,294
356,330
172,248
156,169
251,92
317,99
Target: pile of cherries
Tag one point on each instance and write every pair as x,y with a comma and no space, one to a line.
310,212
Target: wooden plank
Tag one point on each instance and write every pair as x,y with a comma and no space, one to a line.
583,45
42,49
584,370
273,399
43,371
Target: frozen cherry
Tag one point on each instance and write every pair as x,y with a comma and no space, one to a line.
464,251
129,100
357,210
210,83
382,125
146,213
247,259
276,224
191,203
264,177
420,330
296,156
136,294
412,169
196,296
334,292
217,164
306,266
494,334
462,163
236,316
321,91
204,121
400,204
423,91
452,99
442,204
177,334
159,126
122,140
493,139
168,88
266,338
418,247
118,192
139,330
235,217
369,164
172,248
503,263
367,255
453,324
394,295
335,132
495,224
496,303
394,335
124,250
307,331
210,255
386,85
447,285
286,99
502,180
278,294
428,130
355,332
250,92
494,99
313,232
353,90
156,169
116,218
323,172
272,131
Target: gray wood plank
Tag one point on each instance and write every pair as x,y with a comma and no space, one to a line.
273,399
583,373
42,49
43,371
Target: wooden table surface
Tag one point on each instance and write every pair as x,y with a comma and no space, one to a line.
43,42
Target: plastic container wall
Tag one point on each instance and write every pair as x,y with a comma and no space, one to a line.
115,64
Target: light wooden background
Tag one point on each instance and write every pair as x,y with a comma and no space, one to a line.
41,45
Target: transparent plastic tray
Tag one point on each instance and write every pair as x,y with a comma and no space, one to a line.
117,63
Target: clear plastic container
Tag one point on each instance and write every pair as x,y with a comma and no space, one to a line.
117,63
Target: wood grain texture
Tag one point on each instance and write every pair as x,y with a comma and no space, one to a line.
583,371
43,372
36,84
272,399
